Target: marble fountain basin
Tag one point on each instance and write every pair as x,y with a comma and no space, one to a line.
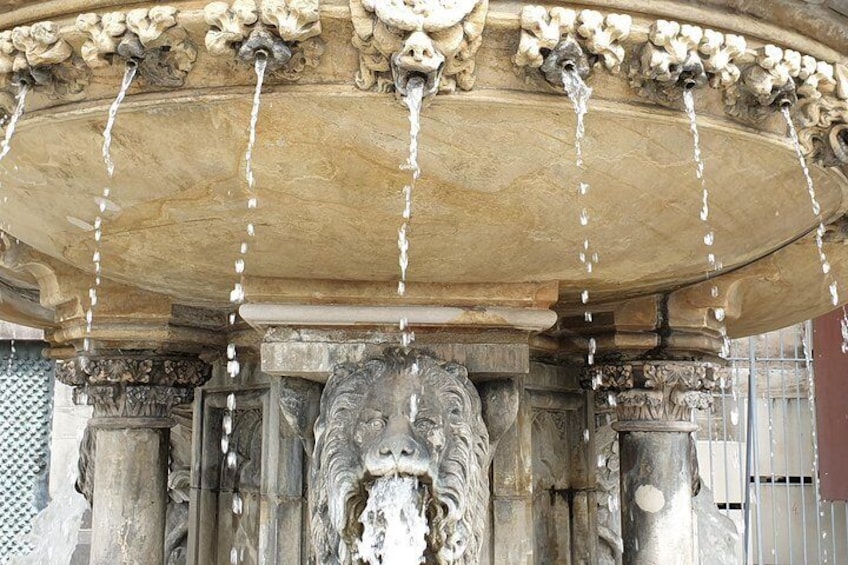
496,208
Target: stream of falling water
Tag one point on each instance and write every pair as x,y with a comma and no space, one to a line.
21,97
237,297
713,264
129,75
413,100
816,207
579,93
394,523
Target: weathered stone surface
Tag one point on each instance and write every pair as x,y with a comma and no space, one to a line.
411,415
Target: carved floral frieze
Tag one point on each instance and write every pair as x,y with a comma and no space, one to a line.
126,402
561,30
83,371
151,38
285,31
668,57
654,390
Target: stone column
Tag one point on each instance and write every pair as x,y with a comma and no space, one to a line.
126,477
654,402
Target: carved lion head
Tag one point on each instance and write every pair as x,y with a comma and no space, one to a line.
406,415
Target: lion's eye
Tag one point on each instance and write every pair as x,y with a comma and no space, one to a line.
376,424
424,424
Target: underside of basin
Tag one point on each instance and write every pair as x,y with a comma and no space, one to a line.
497,203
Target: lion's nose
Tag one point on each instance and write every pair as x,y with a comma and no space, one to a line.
398,442
398,448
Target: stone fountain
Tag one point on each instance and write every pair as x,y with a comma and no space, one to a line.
491,410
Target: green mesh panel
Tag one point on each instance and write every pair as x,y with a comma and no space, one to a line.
26,401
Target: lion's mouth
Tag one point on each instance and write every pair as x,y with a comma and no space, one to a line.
393,524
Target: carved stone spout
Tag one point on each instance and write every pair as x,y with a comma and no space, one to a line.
419,57
263,43
437,41
568,55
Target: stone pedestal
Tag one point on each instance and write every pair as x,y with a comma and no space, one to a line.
124,459
654,403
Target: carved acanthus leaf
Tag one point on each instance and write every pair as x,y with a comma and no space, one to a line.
104,34
160,371
149,25
229,24
719,55
615,377
133,401
295,20
42,44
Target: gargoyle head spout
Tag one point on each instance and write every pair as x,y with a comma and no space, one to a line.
400,415
567,56
419,56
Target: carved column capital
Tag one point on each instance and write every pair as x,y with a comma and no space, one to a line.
654,395
133,391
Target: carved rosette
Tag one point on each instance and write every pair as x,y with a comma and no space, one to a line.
286,31
130,392
654,395
436,41
151,38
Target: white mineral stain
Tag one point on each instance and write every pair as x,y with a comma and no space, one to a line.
650,499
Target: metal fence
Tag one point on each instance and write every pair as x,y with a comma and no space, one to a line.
758,453
26,394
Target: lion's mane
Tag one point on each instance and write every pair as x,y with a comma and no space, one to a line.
460,491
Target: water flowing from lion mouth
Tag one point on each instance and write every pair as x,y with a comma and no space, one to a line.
394,522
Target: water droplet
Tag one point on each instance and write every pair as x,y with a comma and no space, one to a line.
587,316
231,459
231,402
584,296
586,435
231,351
239,266
584,217
709,238
225,443
237,294
719,314
251,203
